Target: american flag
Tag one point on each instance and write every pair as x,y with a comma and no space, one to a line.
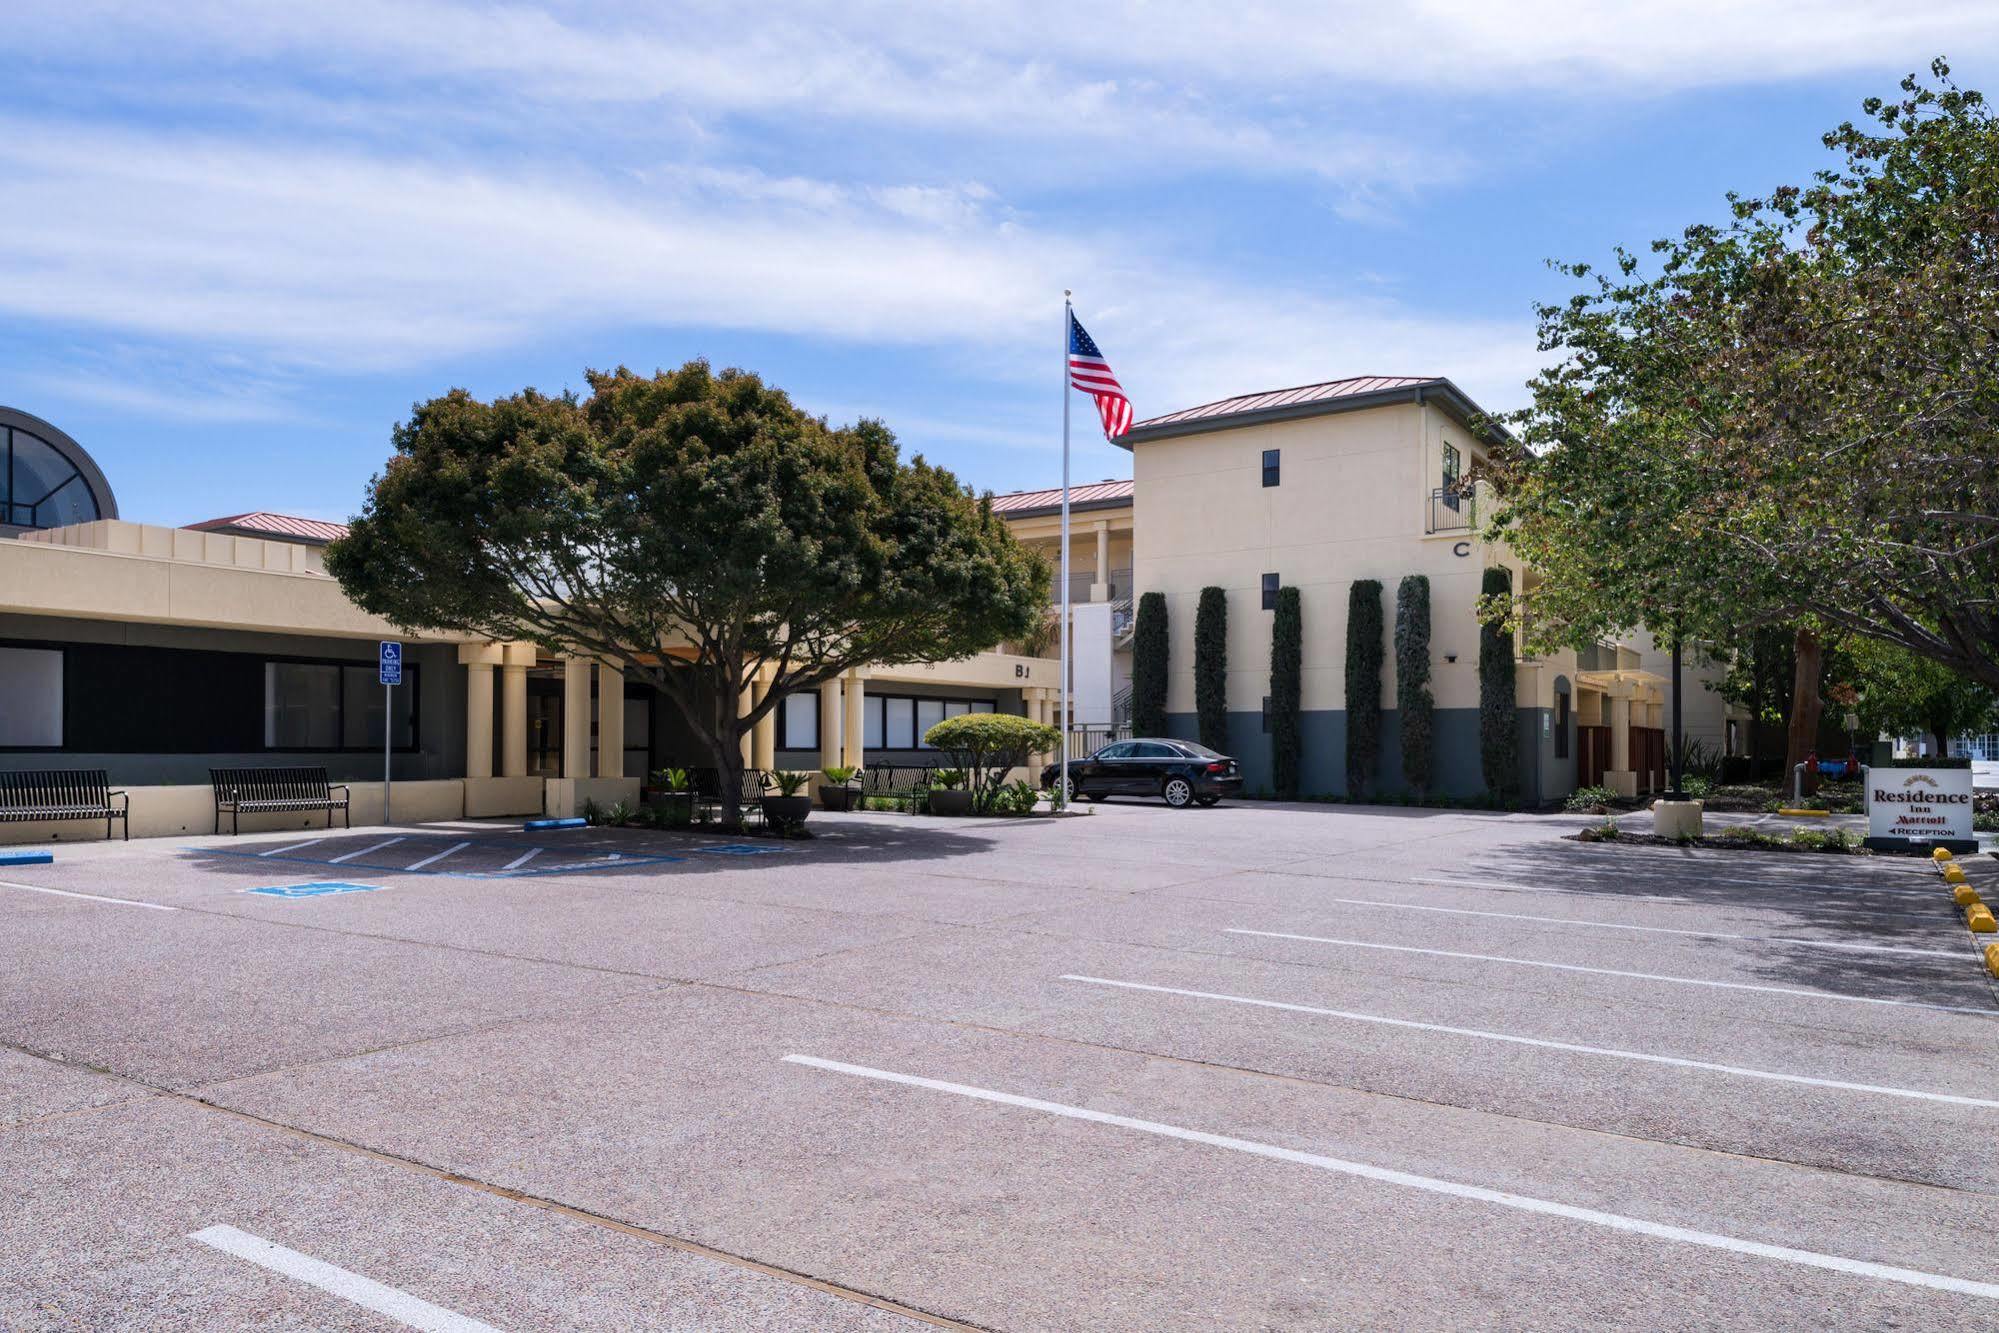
1089,372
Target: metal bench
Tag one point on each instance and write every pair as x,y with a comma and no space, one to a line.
901,782
257,791
707,785
62,793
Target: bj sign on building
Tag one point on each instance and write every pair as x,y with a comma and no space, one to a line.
1927,803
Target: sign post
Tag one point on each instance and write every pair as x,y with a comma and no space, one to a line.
391,662
1919,805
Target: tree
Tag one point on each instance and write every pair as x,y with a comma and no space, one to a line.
1363,684
1414,705
698,530
988,746
1286,665
1901,694
1211,668
1148,666
1498,730
1785,419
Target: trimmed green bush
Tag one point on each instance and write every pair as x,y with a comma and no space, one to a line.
1211,668
1363,684
1148,667
986,747
1415,707
1498,733
1287,632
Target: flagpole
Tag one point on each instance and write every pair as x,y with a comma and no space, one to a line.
1068,320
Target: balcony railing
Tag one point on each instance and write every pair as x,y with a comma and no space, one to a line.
1452,509
1080,585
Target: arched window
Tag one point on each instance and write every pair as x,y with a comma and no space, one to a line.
46,479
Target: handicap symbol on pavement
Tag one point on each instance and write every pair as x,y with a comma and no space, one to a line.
315,890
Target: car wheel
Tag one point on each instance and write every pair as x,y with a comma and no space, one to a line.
1206,801
1179,793
1073,793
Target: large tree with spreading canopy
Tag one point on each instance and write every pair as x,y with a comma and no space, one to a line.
697,529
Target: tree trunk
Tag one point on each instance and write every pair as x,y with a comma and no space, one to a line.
1806,705
1943,740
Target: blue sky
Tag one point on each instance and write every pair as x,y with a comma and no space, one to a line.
238,240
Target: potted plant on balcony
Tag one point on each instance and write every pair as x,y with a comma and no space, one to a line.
948,793
788,807
834,792
671,791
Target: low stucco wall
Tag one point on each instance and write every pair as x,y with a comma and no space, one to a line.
564,797
488,797
160,812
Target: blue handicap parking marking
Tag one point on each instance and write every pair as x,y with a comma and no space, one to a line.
315,890
737,849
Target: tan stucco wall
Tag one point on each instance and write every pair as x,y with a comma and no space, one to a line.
1353,504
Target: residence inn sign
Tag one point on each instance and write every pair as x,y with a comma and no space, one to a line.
1931,806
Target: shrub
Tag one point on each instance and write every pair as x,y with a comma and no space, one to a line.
985,747
670,779
1211,668
1414,705
593,813
1148,667
1583,800
1698,786
787,783
1363,684
1286,664
1498,734
839,775
1016,798
1607,831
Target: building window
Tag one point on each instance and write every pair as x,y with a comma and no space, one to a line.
900,731
30,698
798,722
895,722
1270,585
335,706
39,486
1453,473
1270,467
1562,725
871,722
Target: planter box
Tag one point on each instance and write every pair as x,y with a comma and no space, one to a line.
944,802
837,798
786,809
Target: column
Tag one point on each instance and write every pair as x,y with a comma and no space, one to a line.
575,717
479,659
610,720
829,724
1100,591
852,731
518,657
763,738
1619,777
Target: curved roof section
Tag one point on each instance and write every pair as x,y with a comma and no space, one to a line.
1091,495
70,451
275,527
1307,400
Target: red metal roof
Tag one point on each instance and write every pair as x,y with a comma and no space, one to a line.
1096,494
1271,399
276,527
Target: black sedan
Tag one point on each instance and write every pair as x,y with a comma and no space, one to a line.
1180,771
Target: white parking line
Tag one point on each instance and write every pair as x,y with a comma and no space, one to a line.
1614,972
439,857
1545,1044
405,1309
1388,1176
1650,930
364,851
292,847
1649,879
522,859
88,897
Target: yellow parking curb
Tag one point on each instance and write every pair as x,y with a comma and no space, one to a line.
1816,814
1965,896
1979,917
1940,854
1953,874
1992,959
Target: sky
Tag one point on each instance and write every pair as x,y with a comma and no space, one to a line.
239,240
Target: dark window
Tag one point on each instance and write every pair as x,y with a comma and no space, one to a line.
39,487
31,698
1270,585
897,722
1152,750
1270,468
1453,474
335,706
1562,725
798,721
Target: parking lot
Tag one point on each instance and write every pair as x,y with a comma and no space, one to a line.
1260,1066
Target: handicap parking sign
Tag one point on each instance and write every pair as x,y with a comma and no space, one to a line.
318,889
392,663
